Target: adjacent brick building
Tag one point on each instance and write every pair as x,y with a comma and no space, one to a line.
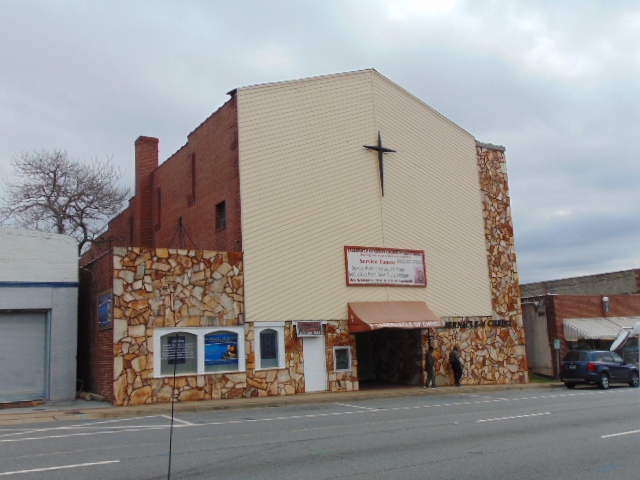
586,311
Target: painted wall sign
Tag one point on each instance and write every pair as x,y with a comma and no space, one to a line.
385,266
309,329
478,324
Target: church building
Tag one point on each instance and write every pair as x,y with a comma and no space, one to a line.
311,235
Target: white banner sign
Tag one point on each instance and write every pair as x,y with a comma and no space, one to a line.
385,266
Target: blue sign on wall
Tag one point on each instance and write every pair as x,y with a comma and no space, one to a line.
104,311
221,349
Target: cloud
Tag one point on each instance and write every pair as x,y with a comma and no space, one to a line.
557,83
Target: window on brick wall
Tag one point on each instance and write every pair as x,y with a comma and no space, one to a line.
191,196
221,215
158,210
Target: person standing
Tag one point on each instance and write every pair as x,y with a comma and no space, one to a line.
430,367
456,364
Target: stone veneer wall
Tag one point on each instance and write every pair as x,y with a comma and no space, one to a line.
171,288
283,381
492,354
501,251
155,288
290,380
337,334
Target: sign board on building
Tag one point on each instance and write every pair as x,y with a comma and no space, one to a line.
556,344
104,311
385,266
309,329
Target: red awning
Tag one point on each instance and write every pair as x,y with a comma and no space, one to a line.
366,316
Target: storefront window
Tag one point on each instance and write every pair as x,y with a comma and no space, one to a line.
178,353
221,352
198,350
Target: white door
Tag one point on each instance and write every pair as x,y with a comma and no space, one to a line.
23,356
315,364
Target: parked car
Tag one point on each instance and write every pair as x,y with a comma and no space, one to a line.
596,367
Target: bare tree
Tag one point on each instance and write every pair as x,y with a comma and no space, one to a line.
53,193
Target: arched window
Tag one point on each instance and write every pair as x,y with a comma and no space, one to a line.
269,345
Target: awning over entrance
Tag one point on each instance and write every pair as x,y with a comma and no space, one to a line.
366,316
598,328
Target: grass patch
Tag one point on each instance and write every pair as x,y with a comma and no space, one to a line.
538,378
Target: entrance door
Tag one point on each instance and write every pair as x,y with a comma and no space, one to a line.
23,356
315,364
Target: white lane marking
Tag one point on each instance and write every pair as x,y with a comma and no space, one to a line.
168,417
24,439
105,424
514,417
355,406
632,432
130,428
48,469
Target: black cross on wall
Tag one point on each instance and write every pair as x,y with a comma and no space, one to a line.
381,151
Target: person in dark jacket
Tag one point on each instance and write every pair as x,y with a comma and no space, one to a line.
430,368
456,364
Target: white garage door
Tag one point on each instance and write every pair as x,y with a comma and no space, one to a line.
23,356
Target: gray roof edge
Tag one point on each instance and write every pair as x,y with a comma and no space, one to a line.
490,146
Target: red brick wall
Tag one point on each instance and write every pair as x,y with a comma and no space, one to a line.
168,192
214,148
95,345
146,149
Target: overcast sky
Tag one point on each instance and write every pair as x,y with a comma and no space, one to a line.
557,82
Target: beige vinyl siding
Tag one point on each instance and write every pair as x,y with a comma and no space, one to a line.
433,202
308,188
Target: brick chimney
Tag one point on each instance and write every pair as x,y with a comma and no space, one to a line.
146,149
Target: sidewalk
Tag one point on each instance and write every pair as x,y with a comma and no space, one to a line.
83,409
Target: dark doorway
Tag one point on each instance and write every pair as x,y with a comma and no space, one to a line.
389,356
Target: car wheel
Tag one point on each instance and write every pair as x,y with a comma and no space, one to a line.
604,381
634,380
570,385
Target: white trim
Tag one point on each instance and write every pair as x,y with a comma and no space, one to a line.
200,333
267,324
278,327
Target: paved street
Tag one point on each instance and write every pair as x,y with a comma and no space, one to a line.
524,434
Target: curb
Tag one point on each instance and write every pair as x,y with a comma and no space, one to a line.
84,410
